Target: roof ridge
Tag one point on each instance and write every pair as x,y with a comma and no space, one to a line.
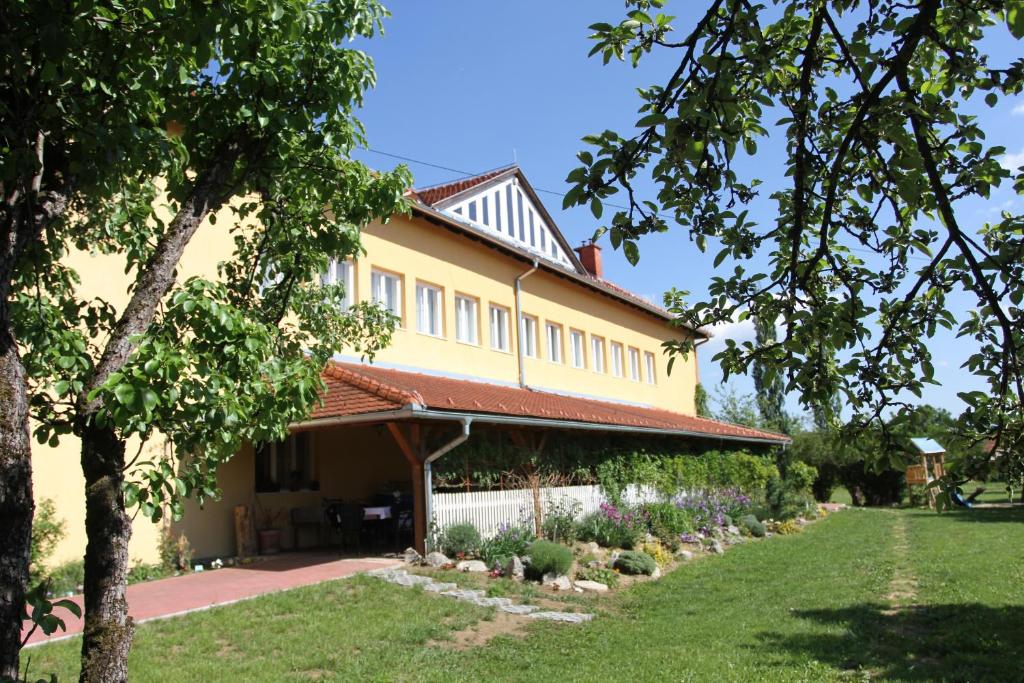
432,194
374,386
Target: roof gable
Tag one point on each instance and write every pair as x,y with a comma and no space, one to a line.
502,203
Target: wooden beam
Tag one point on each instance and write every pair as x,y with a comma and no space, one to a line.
412,448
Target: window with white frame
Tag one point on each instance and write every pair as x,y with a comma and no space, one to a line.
597,353
429,309
616,349
387,291
528,335
634,364
341,273
467,325
286,465
553,332
499,328
649,367
576,349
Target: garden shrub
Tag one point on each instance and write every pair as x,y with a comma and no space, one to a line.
460,540
142,571
599,574
67,578
784,501
547,557
611,527
559,523
788,527
509,541
800,476
635,562
656,550
751,524
667,522
47,532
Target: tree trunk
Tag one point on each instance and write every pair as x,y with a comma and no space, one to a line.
108,628
16,505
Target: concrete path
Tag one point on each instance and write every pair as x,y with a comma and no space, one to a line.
201,590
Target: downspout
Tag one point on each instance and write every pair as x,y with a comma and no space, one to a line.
519,321
428,479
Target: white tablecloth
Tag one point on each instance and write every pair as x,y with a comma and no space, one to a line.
377,512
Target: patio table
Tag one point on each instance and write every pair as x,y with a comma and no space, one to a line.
382,512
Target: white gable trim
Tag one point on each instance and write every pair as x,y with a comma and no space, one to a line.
505,209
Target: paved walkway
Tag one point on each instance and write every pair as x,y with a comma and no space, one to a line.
196,591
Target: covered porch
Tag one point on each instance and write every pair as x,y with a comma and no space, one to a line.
372,444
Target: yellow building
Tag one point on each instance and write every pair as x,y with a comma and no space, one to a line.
503,326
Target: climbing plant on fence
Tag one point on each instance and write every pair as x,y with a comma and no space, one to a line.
491,461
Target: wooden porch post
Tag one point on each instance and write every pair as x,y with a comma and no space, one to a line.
410,442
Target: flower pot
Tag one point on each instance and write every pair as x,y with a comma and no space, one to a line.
270,541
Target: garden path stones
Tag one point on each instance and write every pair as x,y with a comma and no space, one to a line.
401,577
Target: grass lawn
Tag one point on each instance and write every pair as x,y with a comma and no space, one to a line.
893,594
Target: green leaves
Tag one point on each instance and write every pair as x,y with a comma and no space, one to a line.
866,253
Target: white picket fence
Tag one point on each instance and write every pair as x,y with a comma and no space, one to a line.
489,510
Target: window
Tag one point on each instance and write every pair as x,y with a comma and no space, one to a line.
387,291
429,310
341,273
616,359
649,365
576,349
499,328
528,335
467,325
634,364
554,336
597,353
286,465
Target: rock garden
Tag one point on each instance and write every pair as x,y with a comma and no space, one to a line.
564,564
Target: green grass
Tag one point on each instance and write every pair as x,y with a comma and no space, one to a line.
810,607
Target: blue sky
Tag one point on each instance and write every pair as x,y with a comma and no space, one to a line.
475,85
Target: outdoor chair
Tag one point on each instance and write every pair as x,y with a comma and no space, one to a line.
347,521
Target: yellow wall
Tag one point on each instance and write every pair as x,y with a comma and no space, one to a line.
418,251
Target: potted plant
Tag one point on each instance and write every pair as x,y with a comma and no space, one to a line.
267,529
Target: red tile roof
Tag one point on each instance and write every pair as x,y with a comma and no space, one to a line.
354,389
436,193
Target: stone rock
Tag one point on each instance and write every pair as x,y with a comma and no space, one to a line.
560,583
717,533
595,564
715,546
684,555
471,566
592,547
515,569
592,586
733,530
567,617
411,556
656,574
436,559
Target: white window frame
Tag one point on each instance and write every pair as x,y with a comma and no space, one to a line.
578,349
341,272
650,371
555,350
634,364
528,335
597,353
498,317
618,359
467,331
429,309
379,280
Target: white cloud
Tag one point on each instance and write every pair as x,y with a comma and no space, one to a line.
1019,109
1011,161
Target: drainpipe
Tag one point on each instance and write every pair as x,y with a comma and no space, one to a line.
428,479
519,321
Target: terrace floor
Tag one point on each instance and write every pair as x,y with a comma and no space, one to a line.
195,591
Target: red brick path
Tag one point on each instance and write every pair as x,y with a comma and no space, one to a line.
200,590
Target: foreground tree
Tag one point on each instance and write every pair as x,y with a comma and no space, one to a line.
144,124
879,159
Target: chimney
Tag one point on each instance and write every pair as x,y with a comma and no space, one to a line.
590,257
